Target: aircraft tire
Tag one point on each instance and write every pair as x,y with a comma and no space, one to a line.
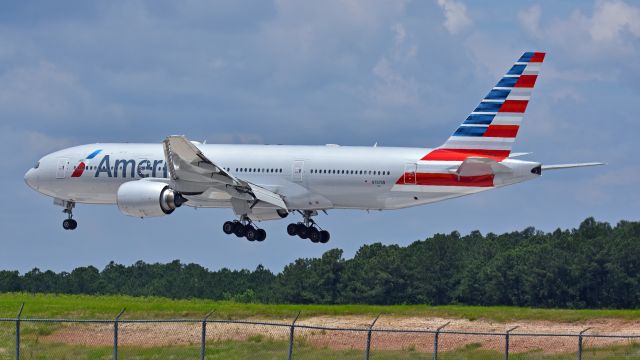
74,224
228,227
314,235
66,224
324,236
302,231
261,235
251,233
292,229
240,231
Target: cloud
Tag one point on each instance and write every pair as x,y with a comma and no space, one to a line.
609,27
455,13
391,86
43,89
529,18
611,19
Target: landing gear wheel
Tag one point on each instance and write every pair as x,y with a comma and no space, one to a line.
228,227
261,235
251,233
302,231
67,224
74,224
313,234
240,230
324,236
292,229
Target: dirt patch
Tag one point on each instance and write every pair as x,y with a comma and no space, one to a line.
396,334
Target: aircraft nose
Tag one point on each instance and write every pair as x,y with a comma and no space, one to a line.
30,178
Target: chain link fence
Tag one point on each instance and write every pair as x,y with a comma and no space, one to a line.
210,338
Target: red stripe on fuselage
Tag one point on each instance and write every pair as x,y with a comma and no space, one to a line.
79,170
505,131
514,106
462,154
438,179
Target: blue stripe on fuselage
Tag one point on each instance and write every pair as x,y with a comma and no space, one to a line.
93,154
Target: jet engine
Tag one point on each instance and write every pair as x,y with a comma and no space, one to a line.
142,198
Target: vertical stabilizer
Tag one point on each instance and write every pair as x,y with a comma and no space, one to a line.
491,129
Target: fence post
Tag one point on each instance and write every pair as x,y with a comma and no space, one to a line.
580,342
18,332
506,342
203,346
368,349
291,331
115,334
435,340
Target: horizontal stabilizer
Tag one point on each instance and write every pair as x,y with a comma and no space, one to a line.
568,166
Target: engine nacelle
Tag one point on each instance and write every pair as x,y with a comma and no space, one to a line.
259,214
143,198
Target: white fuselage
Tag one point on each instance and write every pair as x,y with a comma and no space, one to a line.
307,177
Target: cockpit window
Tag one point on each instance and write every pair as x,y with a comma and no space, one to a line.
37,165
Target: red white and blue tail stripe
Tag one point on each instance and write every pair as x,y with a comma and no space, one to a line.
491,129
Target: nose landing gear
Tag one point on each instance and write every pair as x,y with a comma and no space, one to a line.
309,229
244,228
69,223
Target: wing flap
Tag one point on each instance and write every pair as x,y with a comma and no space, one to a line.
190,168
267,196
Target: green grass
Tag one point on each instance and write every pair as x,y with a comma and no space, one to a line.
35,345
106,307
278,350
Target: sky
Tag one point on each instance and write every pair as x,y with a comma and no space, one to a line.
396,73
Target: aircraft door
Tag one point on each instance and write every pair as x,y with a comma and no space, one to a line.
297,172
61,170
410,173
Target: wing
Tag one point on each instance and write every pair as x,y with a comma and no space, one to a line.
193,173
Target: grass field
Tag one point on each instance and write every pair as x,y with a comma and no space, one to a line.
59,341
106,307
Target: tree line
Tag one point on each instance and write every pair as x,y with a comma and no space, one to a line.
593,266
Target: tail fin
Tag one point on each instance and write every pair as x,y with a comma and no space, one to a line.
491,128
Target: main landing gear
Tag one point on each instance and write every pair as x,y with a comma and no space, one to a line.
308,229
69,223
244,228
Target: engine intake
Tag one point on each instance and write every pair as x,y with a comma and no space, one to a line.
142,198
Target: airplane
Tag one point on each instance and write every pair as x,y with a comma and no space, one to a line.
268,182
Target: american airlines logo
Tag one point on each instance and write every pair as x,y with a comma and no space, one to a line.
123,168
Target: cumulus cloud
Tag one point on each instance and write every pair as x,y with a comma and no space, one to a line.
613,18
455,13
43,89
608,27
529,18
392,87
